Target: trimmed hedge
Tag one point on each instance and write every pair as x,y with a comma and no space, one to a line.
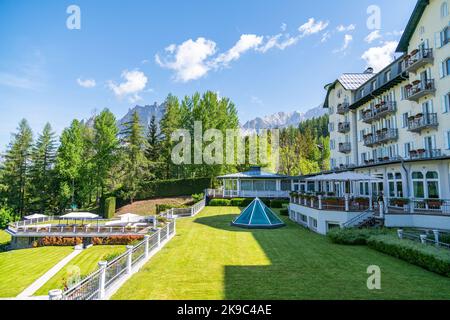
284,212
172,188
428,257
220,203
163,207
353,236
117,240
109,207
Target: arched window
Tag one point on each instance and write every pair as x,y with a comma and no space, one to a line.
444,9
432,185
418,181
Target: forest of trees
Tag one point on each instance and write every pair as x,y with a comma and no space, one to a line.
93,159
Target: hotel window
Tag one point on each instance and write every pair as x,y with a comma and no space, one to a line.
445,101
331,110
331,126
447,140
417,179
407,148
374,85
444,9
405,120
432,184
395,185
387,76
442,38
332,144
428,187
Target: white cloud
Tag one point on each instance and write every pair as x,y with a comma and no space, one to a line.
256,100
189,59
312,27
325,36
283,27
135,82
380,57
87,83
279,41
374,35
342,28
245,43
348,38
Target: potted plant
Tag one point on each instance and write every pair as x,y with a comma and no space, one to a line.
434,203
399,202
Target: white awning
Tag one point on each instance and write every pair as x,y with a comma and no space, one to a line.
344,176
80,215
35,216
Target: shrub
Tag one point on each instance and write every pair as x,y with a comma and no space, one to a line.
237,202
425,256
278,204
57,242
353,236
284,212
164,207
198,197
220,203
117,240
109,207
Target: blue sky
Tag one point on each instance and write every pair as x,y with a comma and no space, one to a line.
267,56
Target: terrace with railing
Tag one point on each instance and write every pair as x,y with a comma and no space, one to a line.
332,203
383,109
425,154
422,121
343,108
343,127
419,89
419,206
417,59
345,147
381,136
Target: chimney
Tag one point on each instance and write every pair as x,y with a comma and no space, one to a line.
369,70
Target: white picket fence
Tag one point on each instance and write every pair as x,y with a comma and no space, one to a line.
105,281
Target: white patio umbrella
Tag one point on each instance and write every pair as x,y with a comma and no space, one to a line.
80,216
35,216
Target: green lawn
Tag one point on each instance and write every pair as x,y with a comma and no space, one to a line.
20,268
87,261
209,259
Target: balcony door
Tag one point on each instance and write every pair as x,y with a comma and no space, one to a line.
429,143
427,107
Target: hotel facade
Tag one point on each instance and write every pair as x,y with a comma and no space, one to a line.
389,141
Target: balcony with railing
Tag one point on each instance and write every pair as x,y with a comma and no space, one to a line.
344,127
419,89
418,58
424,154
343,108
345,147
383,109
422,121
381,136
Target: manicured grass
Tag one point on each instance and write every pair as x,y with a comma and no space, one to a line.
20,268
87,261
4,237
209,259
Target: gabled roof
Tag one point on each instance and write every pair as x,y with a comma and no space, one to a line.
350,81
412,25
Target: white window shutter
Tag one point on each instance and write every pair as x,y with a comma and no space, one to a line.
442,69
444,104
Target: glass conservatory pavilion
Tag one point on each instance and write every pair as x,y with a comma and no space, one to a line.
258,216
